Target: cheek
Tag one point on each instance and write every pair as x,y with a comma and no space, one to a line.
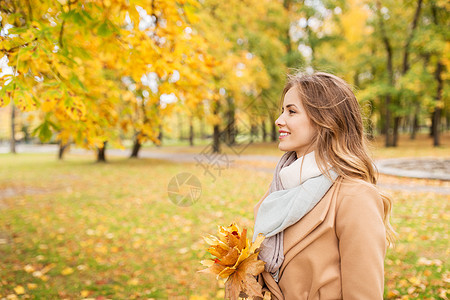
306,125
309,129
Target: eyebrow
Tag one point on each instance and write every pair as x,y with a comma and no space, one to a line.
289,105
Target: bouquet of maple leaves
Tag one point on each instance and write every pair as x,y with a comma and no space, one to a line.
236,261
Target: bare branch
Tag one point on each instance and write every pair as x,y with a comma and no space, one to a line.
411,35
17,47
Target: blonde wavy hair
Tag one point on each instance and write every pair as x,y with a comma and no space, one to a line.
340,140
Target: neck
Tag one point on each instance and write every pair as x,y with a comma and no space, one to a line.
300,153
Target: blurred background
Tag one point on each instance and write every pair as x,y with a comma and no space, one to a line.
104,103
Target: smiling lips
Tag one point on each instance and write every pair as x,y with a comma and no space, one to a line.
283,134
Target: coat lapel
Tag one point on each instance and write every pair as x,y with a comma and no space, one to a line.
296,233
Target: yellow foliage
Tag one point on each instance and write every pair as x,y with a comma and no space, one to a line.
24,100
76,109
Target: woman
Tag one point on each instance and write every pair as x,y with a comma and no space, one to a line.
326,225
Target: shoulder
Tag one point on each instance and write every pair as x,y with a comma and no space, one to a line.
351,187
359,210
357,193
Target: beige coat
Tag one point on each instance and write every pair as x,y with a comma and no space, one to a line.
337,250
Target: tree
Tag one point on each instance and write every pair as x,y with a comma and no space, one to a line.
70,57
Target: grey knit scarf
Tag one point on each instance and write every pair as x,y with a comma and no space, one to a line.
283,208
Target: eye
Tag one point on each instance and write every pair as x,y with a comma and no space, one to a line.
291,111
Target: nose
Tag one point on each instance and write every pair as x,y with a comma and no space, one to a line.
280,121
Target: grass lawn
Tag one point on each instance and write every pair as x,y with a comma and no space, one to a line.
75,229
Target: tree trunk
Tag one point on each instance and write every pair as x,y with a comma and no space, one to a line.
12,143
387,124
396,128
274,132
388,141
440,86
230,134
136,148
253,132
160,136
216,130
406,66
216,139
414,126
191,132
436,129
62,150
101,153
264,131
432,124
437,109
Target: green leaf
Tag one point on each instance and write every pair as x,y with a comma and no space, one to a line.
78,18
53,125
51,83
76,81
86,15
80,52
43,131
17,30
103,30
74,16
35,54
45,134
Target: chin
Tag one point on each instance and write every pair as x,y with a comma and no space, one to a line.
283,148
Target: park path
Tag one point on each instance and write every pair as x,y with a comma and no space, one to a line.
428,168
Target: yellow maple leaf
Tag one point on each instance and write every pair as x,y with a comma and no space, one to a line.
67,271
19,290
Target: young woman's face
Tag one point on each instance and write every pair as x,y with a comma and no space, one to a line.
294,122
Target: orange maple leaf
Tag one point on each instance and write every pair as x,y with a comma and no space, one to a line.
243,279
236,260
